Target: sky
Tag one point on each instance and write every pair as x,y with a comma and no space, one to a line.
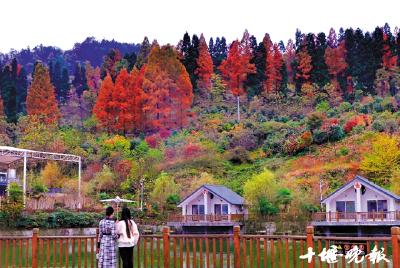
62,23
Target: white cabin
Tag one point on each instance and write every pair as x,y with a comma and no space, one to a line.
359,203
212,200
210,208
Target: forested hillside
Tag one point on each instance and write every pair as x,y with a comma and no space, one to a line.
274,121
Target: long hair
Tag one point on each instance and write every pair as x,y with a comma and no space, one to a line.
126,217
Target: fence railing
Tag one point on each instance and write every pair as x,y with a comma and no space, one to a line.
172,250
356,216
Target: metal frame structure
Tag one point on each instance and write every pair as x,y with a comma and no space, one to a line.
9,155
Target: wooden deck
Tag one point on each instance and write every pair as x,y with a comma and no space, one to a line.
356,218
206,220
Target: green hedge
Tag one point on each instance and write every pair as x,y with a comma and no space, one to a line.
58,219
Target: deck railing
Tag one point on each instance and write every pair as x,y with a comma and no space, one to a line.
207,218
356,216
172,250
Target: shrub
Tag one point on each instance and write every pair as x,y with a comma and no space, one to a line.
238,155
266,207
378,125
58,219
153,141
323,106
15,193
343,151
191,150
344,107
164,187
314,120
358,120
358,129
116,143
331,113
389,104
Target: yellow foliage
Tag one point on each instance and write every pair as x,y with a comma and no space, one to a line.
164,186
383,159
395,182
52,176
263,185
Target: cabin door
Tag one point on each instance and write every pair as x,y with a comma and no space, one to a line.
198,212
377,208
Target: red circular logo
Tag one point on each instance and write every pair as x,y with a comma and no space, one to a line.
357,185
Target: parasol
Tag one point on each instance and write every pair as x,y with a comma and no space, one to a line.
117,200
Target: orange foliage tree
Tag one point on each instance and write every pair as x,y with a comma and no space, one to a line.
205,66
388,59
104,109
119,102
273,74
289,57
235,69
119,106
304,65
41,100
335,58
135,99
167,90
93,77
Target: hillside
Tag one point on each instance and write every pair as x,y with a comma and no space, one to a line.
275,123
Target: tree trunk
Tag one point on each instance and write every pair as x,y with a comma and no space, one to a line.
238,108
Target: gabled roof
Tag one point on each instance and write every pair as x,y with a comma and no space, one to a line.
221,191
367,183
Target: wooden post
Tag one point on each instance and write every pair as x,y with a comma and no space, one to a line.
166,246
395,231
236,246
35,248
310,243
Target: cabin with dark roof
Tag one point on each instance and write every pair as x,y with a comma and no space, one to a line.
209,209
360,207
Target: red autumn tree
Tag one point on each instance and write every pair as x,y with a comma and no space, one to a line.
119,103
135,99
41,100
235,69
388,59
289,57
93,77
273,65
104,108
335,59
205,66
304,65
167,90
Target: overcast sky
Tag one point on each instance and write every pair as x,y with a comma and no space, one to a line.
62,23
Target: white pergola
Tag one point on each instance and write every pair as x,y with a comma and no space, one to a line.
9,155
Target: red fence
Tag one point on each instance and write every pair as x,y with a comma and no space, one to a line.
170,250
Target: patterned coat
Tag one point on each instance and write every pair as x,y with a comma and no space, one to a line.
107,237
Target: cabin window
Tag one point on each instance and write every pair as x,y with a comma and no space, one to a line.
377,205
221,209
345,206
197,209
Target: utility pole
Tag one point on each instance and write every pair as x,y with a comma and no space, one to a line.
320,192
141,193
